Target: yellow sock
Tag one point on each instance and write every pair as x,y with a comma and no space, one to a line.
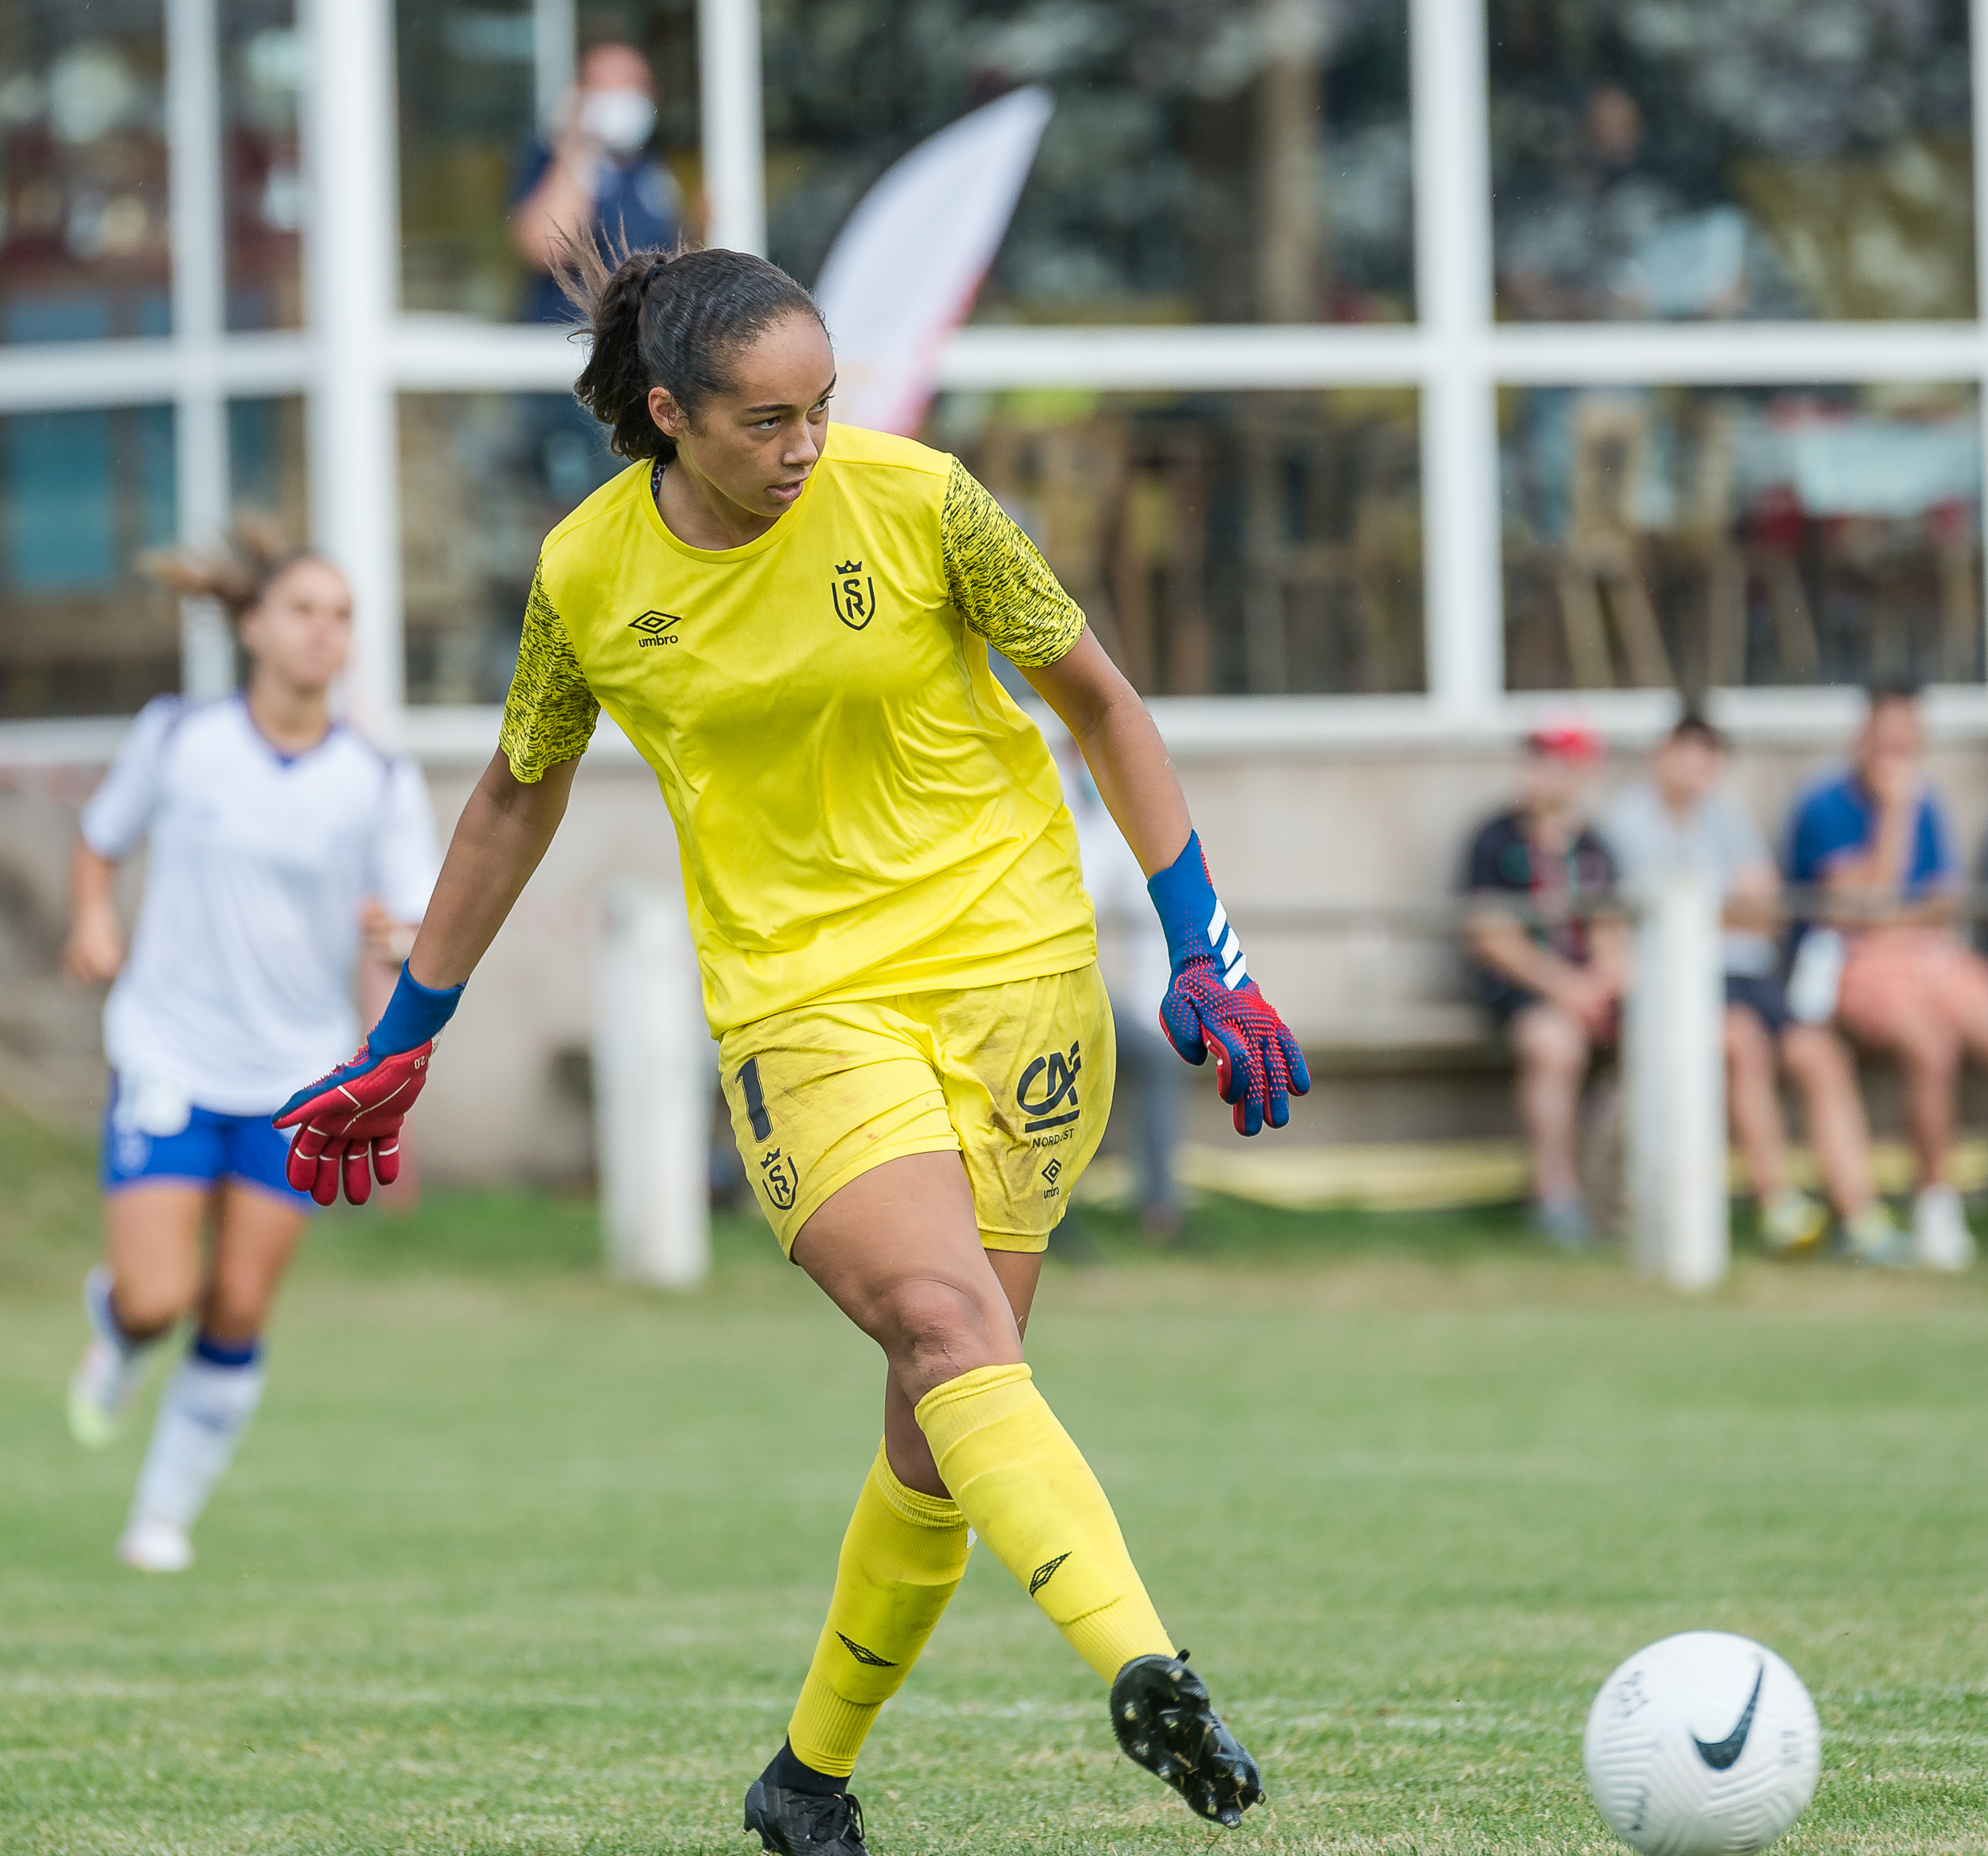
901,1559
1033,1499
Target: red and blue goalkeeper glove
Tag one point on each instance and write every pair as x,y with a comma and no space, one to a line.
348,1123
1258,1066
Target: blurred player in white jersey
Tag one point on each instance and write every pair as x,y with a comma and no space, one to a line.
282,847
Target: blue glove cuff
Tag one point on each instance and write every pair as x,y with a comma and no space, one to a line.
413,1016
1195,922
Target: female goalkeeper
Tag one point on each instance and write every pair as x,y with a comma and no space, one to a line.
791,621
279,843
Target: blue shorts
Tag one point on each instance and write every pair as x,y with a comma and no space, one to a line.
1764,996
207,1148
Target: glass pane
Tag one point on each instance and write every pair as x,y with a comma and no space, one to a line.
261,76
1220,544
1706,536
82,495
1684,159
482,476
84,247
469,146
1205,163
266,461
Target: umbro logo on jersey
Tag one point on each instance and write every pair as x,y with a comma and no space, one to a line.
855,593
657,628
1046,1085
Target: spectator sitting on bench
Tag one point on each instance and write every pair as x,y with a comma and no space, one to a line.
1551,979
1877,836
1683,816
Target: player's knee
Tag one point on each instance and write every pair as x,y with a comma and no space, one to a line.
936,1331
146,1310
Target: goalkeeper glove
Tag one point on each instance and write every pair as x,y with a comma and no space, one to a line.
348,1123
1258,1066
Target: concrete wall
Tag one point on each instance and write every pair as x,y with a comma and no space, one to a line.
1375,825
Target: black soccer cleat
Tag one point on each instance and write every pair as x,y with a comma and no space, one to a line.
1160,1712
806,1823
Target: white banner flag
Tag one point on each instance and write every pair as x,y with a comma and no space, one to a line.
904,271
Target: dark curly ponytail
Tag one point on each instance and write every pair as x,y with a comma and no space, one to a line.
672,319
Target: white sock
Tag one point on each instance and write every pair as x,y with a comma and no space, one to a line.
204,1409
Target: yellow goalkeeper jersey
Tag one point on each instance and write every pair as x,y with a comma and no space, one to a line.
861,810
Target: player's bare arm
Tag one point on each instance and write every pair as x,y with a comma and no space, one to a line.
498,840
1122,747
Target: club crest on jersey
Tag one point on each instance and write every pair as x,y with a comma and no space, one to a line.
855,593
657,628
1046,1086
780,1178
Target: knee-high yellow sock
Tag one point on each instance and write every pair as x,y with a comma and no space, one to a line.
1033,1499
902,1558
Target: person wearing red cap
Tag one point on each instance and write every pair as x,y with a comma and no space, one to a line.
1551,976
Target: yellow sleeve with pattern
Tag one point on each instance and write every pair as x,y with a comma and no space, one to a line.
999,584
549,715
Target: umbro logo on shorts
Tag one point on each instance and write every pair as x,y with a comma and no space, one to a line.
862,1655
657,628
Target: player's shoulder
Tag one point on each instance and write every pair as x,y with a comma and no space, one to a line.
883,461
598,520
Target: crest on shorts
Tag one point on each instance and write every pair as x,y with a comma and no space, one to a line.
855,593
1047,1084
777,1174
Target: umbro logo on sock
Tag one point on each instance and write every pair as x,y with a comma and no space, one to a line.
862,1655
1040,1577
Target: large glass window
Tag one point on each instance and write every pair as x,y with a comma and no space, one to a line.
1664,158
84,246
262,69
469,79
1702,536
1255,543
1206,163
266,461
484,476
82,495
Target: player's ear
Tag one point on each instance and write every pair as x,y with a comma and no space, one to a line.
668,416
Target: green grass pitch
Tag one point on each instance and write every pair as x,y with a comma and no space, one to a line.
517,1561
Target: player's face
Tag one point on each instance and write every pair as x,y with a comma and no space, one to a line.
301,631
757,445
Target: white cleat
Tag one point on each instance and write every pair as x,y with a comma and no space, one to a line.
108,1377
151,1544
1941,1239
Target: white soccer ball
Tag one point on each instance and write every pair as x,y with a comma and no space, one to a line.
1704,1744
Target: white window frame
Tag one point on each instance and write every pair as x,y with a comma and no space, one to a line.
359,351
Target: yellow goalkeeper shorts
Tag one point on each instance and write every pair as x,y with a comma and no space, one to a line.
1017,1077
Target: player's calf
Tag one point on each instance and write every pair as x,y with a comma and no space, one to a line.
1164,1722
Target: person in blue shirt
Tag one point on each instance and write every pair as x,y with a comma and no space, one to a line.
1877,836
598,177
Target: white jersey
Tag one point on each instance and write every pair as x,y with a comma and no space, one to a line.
239,987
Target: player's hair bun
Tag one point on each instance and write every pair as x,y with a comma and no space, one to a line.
251,557
674,319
